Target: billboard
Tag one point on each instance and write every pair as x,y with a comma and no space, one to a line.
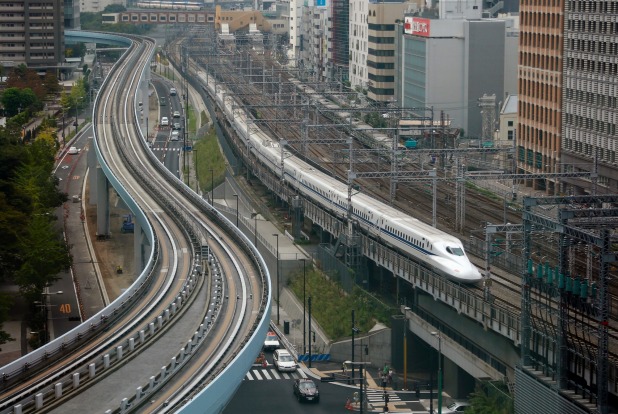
417,26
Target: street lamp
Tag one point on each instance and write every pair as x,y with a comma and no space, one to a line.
44,305
197,179
63,135
212,186
277,236
439,336
304,316
355,330
76,123
236,195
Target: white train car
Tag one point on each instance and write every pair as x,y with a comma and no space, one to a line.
424,243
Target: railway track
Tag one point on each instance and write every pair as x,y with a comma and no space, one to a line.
195,307
274,101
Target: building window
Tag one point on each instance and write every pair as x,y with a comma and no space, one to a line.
509,123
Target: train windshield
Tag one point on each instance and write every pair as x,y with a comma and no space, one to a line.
457,251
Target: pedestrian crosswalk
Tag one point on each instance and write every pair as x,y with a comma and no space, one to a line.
266,374
377,396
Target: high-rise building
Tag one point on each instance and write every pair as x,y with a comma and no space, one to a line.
32,33
539,130
590,94
449,64
372,46
338,39
71,15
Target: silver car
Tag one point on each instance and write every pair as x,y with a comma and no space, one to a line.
284,361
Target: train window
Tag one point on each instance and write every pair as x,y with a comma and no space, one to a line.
455,251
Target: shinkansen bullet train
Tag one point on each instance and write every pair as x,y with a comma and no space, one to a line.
440,251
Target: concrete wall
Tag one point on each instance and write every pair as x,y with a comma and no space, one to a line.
378,346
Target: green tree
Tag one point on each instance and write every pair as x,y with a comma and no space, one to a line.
490,397
43,252
114,8
16,100
51,84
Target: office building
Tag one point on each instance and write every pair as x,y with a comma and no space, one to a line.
590,95
449,64
372,46
32,33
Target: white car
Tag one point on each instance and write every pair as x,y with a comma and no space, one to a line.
173,91
456,407
284,361
174,136
271,342
165,121
176,114
73,150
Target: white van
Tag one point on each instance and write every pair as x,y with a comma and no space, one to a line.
165,121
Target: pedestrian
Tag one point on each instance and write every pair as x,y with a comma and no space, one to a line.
383,381
390,376
343,367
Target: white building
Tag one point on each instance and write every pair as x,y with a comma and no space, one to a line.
372,45
295,17
97,6
449,64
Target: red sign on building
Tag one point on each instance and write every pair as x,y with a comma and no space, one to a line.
417,26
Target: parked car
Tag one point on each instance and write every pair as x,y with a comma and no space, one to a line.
174,136
73,150
284,361
306,390
271,342
176,114
456,407
165,121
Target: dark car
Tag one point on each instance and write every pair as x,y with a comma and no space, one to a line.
306,390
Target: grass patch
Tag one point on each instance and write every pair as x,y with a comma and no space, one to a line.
192,122
204,117
332,307
208,157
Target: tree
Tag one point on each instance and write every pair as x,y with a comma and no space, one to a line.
16,100
490,398
21,77
47,134
114,8
5,304
11,101
43,252
51,84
